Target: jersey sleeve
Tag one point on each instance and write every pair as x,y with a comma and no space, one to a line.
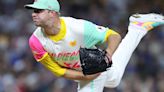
42,56
53,66
37,49
110,32
95,34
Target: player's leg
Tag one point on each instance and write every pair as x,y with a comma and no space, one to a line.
140,24
97,85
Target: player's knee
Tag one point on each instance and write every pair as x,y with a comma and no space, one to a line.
113,83
116,82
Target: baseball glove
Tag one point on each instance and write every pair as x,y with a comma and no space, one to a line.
94,61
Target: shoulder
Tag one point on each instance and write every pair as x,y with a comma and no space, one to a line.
35,36
38,31
74,21
77,24
37,48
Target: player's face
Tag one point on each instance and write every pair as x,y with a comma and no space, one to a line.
40,17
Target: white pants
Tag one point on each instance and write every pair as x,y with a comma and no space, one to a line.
112,77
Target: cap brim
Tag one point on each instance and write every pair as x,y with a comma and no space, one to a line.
31,6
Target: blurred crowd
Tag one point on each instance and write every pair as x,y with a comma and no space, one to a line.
19,72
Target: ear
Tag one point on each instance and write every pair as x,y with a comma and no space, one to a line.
53,13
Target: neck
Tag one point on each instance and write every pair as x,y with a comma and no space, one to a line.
52,27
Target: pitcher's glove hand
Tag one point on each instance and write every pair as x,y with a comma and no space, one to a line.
94,61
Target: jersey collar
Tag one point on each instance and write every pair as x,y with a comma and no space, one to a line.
61,33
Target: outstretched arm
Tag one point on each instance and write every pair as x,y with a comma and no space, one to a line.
64,72
77,75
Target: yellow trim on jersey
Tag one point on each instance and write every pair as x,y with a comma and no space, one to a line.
42,57
61,33
110,32
53,66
